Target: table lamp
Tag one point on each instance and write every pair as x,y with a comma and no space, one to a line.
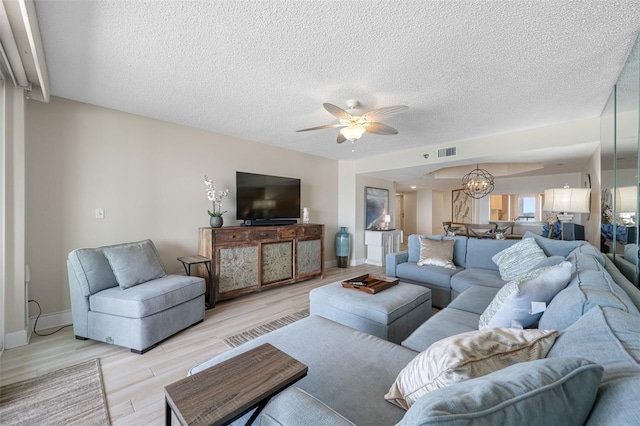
566,201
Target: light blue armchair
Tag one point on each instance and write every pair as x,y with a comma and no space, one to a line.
122,295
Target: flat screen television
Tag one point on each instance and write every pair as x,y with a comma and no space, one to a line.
263,197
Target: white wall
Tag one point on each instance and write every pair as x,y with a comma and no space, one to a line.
148,177
13,159
347,196
410,214
437,200
424,211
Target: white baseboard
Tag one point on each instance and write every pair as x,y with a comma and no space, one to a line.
352,262
16,339
46,321
52,320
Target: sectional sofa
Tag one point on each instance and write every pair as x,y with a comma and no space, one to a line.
590,373
472,260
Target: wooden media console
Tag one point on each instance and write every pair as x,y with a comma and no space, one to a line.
247,259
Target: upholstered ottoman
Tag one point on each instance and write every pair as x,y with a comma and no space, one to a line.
391,314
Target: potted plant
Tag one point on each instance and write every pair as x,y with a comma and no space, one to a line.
215,196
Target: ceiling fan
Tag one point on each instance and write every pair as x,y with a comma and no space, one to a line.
354,126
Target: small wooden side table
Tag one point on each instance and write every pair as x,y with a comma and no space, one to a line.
223,393
187,261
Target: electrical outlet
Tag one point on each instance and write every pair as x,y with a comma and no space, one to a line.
99,213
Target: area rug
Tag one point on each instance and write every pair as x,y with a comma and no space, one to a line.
69,396
245,336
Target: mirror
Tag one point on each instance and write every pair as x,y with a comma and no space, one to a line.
620,126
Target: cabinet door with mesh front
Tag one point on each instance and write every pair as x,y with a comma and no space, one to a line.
238,269
308,257
277,262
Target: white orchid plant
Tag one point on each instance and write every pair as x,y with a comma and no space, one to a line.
215,196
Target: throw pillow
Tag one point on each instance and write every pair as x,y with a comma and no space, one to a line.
544,392
513,305
438,253
518,259
135,263
553,247
465,356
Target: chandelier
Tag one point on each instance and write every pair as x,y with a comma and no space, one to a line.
477,183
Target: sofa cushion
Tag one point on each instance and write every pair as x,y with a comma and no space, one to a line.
436,253
473,277
481,250
587,289
293,406
587,250
465,356
147,298
513,305
584,262
475,299
93,270
447,322
459,250
553,247
518,259
428,274
611,338
135,263
545,392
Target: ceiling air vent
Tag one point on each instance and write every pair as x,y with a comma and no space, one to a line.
447,152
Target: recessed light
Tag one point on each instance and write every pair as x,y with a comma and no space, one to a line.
413,187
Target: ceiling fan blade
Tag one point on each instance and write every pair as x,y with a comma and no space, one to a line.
341,138
380,129
382,113
337,112
326,126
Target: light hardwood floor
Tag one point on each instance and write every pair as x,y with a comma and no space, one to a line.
134,384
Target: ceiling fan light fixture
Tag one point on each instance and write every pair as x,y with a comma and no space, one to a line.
352,132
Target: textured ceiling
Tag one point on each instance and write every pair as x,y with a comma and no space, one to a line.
261,70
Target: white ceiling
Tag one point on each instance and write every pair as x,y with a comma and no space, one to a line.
260,70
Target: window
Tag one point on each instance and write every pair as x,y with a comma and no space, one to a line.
517,207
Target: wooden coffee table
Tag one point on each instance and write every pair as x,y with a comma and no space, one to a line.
226,391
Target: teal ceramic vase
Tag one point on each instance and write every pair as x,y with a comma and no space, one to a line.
343,242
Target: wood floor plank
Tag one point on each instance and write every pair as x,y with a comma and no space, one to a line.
134,384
